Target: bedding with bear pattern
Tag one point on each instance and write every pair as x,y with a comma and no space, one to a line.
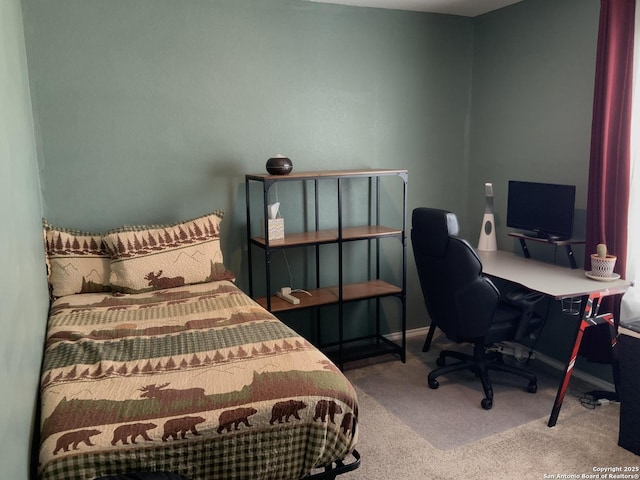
195,379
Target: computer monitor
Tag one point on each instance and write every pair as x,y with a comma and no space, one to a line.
543,210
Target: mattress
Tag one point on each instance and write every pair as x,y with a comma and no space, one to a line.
198,380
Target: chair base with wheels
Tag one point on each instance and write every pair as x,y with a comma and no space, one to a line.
480,363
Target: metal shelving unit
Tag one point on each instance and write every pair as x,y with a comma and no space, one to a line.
340,293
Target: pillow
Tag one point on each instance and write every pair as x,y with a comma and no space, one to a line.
155,257
77,261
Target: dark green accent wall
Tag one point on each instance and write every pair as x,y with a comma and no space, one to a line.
533,78
152,111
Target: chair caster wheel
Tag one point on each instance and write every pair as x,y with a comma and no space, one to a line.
440,362
433,384
532,387
486,403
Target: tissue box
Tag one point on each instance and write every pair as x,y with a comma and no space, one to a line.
275,228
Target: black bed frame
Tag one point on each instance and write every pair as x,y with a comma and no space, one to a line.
329,472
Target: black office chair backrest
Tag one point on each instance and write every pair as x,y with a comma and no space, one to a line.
459,298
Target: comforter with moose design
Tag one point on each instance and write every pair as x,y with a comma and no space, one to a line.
198,380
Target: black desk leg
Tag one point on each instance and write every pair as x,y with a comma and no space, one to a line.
525,249
572,259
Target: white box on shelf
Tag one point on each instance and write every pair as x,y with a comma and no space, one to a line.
275,228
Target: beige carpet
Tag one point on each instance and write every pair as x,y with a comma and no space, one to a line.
402,389
392,448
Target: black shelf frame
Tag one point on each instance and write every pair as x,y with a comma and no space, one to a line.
382,344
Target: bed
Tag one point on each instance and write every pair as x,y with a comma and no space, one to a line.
165,369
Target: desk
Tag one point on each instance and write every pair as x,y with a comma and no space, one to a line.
557,282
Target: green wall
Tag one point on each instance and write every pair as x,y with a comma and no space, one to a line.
24,299
533,79
153,110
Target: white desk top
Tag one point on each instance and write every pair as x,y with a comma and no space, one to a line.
556,281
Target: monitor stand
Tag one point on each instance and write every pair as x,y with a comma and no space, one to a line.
566,243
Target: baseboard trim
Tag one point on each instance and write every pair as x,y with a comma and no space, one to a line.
552,362
582,375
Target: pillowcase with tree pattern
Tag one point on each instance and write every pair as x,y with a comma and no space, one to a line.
155,257
77,261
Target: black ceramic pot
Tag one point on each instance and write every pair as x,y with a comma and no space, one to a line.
279,165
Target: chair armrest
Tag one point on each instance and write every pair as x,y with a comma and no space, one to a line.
525,300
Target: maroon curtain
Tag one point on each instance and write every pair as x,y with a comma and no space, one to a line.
610,163
610,160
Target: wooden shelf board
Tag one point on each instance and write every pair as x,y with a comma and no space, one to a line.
330,236
326,174
303,238
369,231
329,295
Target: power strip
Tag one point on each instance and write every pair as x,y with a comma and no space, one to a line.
285,294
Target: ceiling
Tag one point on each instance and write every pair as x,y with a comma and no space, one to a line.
465,8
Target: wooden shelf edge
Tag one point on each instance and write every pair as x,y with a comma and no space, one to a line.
330,296
330,236
326,174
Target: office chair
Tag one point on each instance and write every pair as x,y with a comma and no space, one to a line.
465,304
